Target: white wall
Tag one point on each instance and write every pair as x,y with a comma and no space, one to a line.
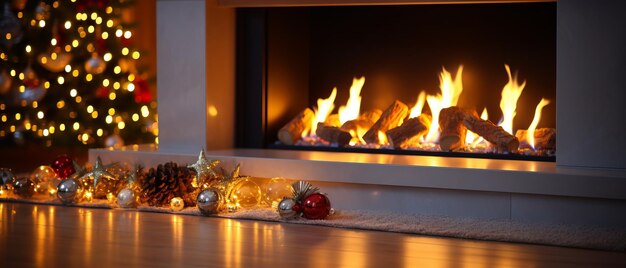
591,83
181,70
196,75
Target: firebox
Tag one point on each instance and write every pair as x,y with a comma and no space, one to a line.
447,80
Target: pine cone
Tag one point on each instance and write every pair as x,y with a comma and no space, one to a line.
165,182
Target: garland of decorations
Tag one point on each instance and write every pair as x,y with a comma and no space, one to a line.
203,184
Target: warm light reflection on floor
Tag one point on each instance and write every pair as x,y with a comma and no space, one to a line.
256,240
136,231
46,236
355,252
177,235
40,237
231,230
110,226
86,224
4,219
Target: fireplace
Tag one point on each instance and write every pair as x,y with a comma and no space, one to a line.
306,58
586,184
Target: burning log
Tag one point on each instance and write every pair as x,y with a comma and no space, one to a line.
545,138
453,131
365,121
409,131
292,131
333,134
503,141
391,118
371,115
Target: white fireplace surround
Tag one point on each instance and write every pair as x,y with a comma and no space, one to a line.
587,184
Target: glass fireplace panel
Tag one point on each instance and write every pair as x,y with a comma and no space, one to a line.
302,53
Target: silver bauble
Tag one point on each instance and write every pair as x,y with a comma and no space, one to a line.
5,82
285,209
69,191
6,176
209,201
127,198
95,64
24,187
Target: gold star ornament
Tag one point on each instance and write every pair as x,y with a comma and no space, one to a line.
204,169
79,171
225,183
100,171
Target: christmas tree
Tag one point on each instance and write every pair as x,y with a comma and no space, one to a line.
68,75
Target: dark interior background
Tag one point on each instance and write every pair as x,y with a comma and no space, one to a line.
401,50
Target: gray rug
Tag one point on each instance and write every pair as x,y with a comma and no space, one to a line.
482,229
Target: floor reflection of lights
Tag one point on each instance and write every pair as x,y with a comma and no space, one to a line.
177,236
233,244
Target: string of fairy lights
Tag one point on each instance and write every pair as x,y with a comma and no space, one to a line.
76,78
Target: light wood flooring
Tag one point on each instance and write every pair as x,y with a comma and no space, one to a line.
55,236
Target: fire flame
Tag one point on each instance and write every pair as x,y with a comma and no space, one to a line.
530,134
472,139
450,91
382,138
352,108
419,105
357,136
324,108
510,94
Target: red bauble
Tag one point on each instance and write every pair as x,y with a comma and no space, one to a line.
82,5
102,92
101,3
142,91
316,206
101,46
125,41
63,166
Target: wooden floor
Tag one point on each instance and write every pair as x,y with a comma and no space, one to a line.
54,236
